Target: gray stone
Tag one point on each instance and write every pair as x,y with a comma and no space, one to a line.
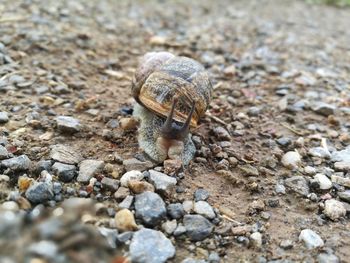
135,164
291,159
323,108
127,202
280,189
286,244
344,181
204,209
10,226
176,210
180,230
256,239
341,156
150,208
44,248
163,183
68,124
311,239
169,226
65,154
323,181
197,227
342,166
298,184
201,195
19,163
43,165
39,192
110,183
327,258
334,209
222,134
65,172
214,257
3,117
319,152
345,196
3,152
188,206
89,168
131,175
150,246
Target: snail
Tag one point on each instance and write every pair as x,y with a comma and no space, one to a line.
172,94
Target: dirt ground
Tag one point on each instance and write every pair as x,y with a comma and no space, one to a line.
85,54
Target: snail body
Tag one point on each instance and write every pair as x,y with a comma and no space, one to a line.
172,94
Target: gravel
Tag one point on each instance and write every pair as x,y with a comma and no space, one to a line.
149,246
150,207
197,227
311,239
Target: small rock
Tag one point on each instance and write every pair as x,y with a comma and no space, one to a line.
309,170
334,209
222,134
187,206
254,111
19,163
241,230
125,221
65,154
214,257
319,152
169,226
43,165
180,230
280,189
249,170
256,239
204,209
3,152
131,175
127,202
338,166
175,211
197,227
89,168
310,239
172,165
138,187
345,196
150,208
68,124
341,156
286,244
163,183
44,248
135,164
298,184
323,181
291,160
148,246
3,117
39,192
201,195
110,184
121,193
344,181
322,108
327,258
128,124
65,172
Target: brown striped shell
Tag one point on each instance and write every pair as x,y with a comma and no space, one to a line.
161,76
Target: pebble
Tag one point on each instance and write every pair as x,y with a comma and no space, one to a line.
19,163
204,209
345,196
125,221
135,164
68,124
127,202
327,258
341,156
309,170
187,206
44,248
249,170
121,193
43,165
323,108
39,192
280,189
201,195
110,184
319,152
3,117
163,183
138,187
338,166
3,152
291,160
176,210
256,239
344,181
214,257
334,209
65,172
169,226
128,124
180,230
254,111
150,246
311,239
286,244
130,175
323,181
89,168
222,134
197,227
65,154
150,207
298,184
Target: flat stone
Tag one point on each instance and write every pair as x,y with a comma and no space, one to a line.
311,239
131,175
163,183
19,163
65,172
121,193
222,134
176,210
197,227
323,181
89,168
323,108
298,184
345,196
3,152
150,207
110,184
3,117
39,192
249,170
334,209
204,209
291,160
135,164
344,181
341,156
65,154
127,202
150,246
319,152
342,166
68,124
201,195
286,244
